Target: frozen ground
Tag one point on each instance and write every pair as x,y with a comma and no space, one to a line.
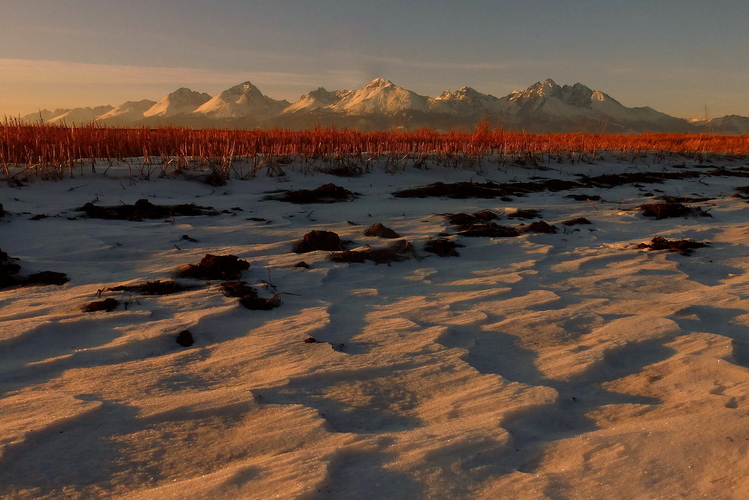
564,366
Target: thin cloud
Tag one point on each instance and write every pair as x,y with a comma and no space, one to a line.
470,66
62,72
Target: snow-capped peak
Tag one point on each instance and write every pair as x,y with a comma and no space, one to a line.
465,101
547,88
316,99
380,82
182,100
380,96
242,100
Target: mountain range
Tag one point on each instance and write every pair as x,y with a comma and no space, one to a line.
544,107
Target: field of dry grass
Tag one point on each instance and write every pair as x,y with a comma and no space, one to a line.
54,152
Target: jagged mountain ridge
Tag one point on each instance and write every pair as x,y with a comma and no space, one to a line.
544,107
182,100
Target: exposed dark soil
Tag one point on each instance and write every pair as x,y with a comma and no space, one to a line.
327,193
684,247
529,213
100,305
461,190
398,251
669,210
613,180
742,191
215,267
46,278
724,172
153,288
442,247
464,221
381,231
575,222
184,338
477,224
490,229
237,289
319,240
249,297
457,190
256,303
144,209
681,199
9,270
537,227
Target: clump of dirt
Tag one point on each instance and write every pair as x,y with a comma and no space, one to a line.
302,265
528,213
613,180
442,247
669,210
724,172
153,288
237,289
464,221
46,278
491,230
381,231
463,190
397,252
456,190
555,185
249,297
577,221
681,199
100,305
257,303
215,267
9,270
327,193
319,240
477,224
144,209
2,211
184,338
538,227
684,247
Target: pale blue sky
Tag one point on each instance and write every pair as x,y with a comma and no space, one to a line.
677,56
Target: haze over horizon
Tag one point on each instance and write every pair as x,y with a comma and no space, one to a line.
679,57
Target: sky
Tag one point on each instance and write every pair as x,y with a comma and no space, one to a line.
687,58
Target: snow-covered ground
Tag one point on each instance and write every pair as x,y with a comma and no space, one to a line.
570,365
